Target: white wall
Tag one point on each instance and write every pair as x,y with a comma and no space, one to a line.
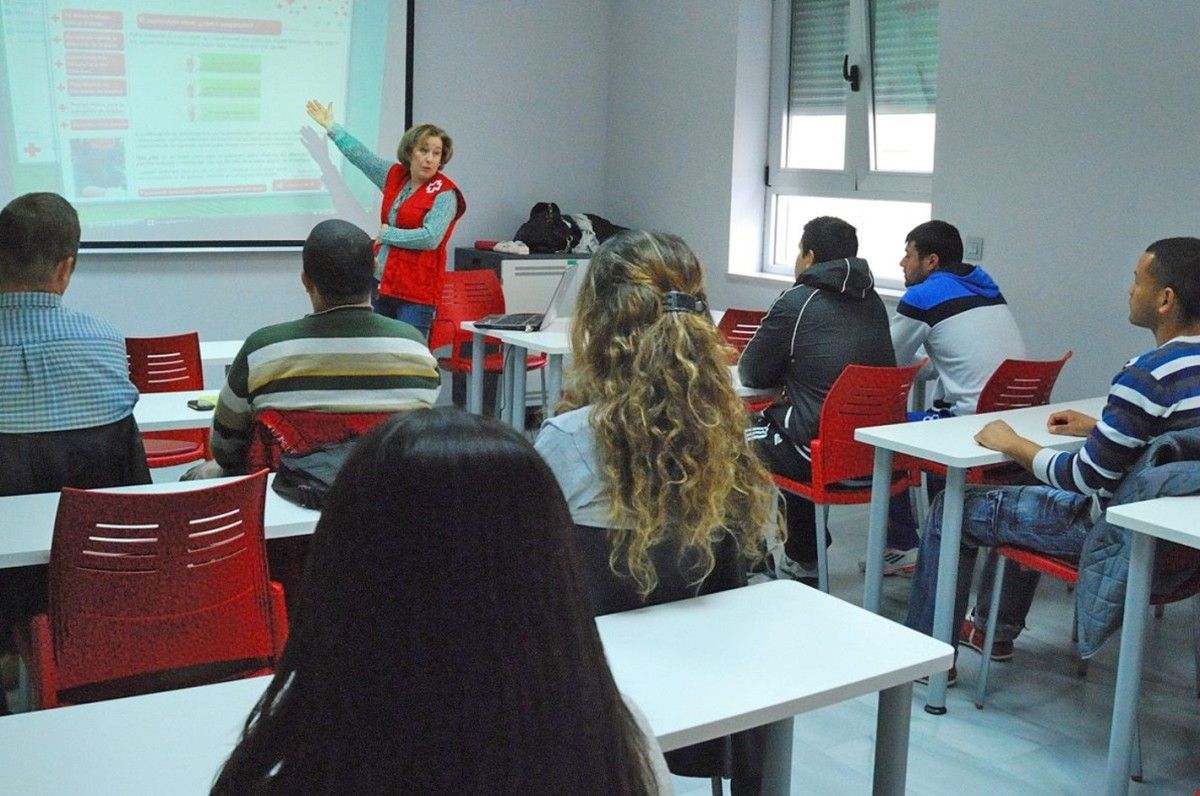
522,92
1067,139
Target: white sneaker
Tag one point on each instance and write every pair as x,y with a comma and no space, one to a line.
896,562
794,570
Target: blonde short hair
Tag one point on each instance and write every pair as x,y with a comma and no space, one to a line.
415,135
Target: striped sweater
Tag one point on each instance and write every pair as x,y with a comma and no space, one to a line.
346,359
1154,393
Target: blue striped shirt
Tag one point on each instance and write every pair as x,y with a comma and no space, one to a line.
1154,393
437,219
59,369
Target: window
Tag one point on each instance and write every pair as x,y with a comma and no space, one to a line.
865,155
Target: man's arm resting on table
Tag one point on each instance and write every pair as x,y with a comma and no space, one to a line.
999,436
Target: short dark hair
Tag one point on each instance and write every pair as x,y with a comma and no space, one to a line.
829,238
339,261
937,237
441,644
37,232
1176,265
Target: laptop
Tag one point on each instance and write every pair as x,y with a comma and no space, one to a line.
562,306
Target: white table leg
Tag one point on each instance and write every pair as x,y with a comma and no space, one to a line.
505,388
475,379
943,615
553,383
519,358
777,759
1129,664
891,740
881,481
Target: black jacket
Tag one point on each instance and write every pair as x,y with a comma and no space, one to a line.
832,317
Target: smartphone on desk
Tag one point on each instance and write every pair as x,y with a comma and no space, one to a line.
201,405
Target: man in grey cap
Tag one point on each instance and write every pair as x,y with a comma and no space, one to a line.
343,358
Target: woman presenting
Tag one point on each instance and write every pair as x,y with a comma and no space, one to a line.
420,208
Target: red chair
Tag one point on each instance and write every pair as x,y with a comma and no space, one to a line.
468,296
841,466
275,432
166,364
153,590
736,328
1016,384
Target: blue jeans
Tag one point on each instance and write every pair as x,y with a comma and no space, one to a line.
419,316
1039,518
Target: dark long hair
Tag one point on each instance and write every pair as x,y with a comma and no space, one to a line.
443,643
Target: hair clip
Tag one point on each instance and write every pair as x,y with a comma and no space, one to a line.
677,301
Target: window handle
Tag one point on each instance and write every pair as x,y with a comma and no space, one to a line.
850,73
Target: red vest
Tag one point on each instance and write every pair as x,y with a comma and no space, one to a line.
410,274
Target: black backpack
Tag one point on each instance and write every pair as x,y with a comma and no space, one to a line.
546,231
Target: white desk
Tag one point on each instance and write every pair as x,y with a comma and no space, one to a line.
216,356
704,668
950,442
555,343
698,669
1176,519
27,521
168,411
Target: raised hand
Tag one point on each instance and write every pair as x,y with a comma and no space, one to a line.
321,114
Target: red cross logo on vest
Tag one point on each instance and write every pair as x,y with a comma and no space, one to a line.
433,187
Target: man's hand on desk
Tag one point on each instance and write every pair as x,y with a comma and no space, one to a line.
1070,423
999,436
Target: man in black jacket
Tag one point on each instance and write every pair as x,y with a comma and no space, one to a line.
831,318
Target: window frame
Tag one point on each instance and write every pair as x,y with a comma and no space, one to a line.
856,180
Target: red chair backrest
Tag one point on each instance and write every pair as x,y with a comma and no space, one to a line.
1018,383
150,582
862,396
738,326
276,432
165,364
466,296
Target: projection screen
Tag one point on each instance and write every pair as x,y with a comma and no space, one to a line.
172,123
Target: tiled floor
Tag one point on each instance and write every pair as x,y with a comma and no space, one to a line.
1043,730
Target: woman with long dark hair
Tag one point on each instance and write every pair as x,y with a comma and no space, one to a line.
443,643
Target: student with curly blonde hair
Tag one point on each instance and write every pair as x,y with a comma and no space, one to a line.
649,449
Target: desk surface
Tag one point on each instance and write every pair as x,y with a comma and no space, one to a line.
1175,519
168,411
219,352
697,668
27,521
951,441
556,341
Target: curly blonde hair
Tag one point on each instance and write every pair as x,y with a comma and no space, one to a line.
669,424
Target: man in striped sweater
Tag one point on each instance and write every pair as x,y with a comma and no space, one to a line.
1154,393
341,358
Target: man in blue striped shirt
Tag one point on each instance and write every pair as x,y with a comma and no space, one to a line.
1154,393
66,402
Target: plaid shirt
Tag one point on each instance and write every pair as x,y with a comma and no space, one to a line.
59,369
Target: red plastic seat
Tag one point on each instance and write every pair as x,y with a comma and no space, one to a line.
841,466
275,432
737,327
166,364
1016,384
469,296
155,590
296,431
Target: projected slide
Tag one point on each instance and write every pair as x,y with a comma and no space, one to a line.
172,120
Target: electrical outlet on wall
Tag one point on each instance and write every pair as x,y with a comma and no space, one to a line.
973,249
